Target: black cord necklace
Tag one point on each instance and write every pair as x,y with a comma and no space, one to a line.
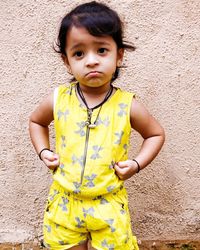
90,110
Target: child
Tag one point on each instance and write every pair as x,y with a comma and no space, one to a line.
93,120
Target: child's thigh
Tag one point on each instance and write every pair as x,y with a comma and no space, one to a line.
58,237
117,234
114,236
80,247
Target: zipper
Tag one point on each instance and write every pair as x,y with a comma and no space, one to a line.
88,122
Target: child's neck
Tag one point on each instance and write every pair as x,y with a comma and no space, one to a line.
95,91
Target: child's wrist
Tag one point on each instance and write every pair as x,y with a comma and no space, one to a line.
138,166
40,153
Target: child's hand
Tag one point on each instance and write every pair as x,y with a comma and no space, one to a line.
125,169
50,159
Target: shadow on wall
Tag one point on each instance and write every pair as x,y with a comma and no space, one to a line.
155,201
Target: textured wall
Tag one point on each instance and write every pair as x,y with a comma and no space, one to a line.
163,71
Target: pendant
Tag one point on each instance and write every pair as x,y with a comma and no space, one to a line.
87,123
92,125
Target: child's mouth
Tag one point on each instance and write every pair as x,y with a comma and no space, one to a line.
93,74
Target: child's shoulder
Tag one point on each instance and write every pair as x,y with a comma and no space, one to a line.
62,91
64,88
126,93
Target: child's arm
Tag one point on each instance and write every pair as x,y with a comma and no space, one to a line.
153,135
39,132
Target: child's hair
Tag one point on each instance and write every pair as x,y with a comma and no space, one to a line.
98,19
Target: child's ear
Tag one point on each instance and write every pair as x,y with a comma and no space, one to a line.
120,56
66,62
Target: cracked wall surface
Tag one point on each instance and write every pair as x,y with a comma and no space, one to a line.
164,72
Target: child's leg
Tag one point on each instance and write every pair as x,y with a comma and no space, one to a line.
64,224
112,209
80,247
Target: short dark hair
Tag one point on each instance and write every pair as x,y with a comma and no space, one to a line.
98,19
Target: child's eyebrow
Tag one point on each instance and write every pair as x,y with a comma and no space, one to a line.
76,46
100,43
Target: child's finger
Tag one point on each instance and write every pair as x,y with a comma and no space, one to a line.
118,169
122,164
50,156
52,164
55,157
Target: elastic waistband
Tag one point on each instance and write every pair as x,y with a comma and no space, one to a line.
55,185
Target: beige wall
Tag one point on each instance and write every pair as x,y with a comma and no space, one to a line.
163,71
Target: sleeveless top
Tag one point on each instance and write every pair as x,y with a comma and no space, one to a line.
87,155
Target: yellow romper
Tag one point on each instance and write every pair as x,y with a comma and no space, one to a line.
87,200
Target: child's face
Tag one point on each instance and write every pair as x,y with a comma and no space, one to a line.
92,60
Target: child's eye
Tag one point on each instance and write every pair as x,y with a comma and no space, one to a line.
102,50
78,54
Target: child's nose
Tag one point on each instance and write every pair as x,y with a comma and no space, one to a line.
91,60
